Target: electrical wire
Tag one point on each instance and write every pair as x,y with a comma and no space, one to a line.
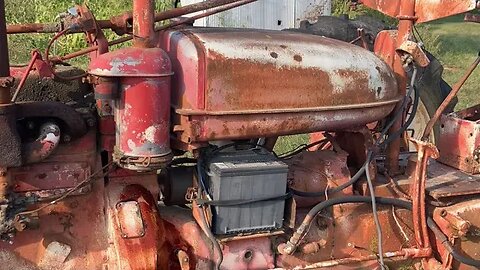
378,227
49,63
70,191
365,168
397,203
301,148
378,143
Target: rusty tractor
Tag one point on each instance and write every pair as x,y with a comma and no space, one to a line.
160,155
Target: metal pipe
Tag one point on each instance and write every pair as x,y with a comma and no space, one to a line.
161,28
143,23
448,99
405,27
5,65
373,257
35,55
118,21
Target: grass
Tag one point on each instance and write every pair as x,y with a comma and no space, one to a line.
456,44
47,11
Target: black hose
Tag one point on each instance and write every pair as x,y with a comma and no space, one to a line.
402,204
301,149
377,144
409,121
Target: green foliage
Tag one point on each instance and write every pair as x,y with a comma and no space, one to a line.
344,7
45,11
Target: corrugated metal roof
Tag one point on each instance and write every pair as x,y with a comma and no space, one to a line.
267,14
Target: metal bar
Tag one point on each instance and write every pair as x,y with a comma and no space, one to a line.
161,28
405,26
143,23
25,76
448,99
115,21
5,65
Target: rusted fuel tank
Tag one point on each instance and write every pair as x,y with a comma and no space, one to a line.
244,83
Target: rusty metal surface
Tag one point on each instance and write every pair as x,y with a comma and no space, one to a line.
143,23
315,172
425,151
5,65
217,72
413,50
77,222
48,176
349,236
250,125
424,10
141,90
130,249
459,140
447,183
458,85
467,244
241,64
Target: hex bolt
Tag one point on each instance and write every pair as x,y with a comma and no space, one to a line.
90,122
67,138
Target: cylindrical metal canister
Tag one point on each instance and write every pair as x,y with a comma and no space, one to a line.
142,107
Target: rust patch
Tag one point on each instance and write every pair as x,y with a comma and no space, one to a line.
240,84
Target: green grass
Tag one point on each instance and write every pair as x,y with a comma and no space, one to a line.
46,11
456,44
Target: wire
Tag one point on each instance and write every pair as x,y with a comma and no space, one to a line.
243,201
226,146
370,153
375,218
398,203
49,63
404,103
301,148
68,192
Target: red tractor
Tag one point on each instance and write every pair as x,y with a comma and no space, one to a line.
160,155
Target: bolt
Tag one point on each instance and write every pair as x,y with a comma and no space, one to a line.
30,125
67,138
443,213
90,122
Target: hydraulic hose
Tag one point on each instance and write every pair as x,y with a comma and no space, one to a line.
291,245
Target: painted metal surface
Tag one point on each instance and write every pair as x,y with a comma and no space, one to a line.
267,14
425,151
142,108
243,83
425,10
459,141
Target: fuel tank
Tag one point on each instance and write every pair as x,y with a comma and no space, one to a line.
244,83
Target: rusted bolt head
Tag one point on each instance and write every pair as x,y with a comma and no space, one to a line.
90,122
67,138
